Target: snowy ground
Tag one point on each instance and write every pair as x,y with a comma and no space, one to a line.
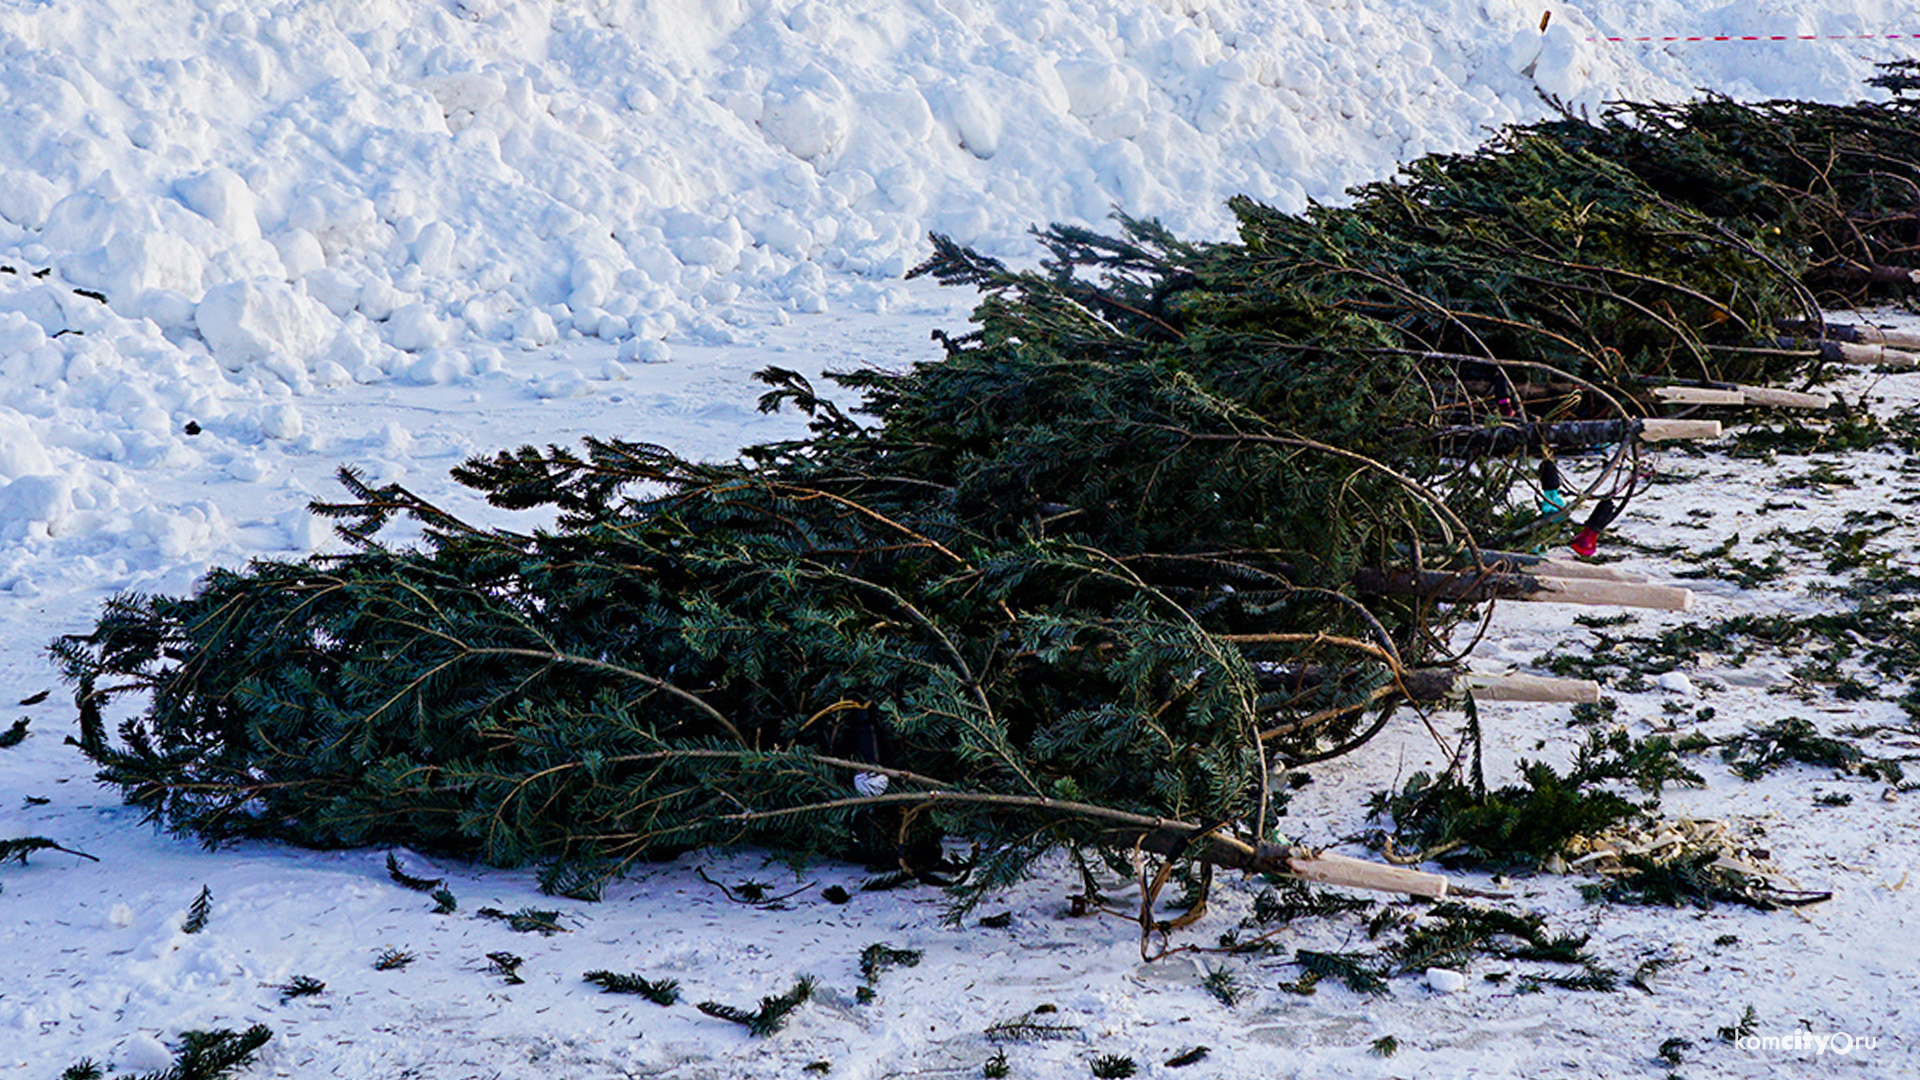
394,235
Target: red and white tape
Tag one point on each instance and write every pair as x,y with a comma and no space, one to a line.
1766,37
1547,17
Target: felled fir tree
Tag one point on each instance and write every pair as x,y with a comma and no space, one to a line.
1061,585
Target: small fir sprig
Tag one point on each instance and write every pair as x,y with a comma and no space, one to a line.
506,965
1353,969
1749,1021
877,958
526,920
19,848
1029,1027
392,960
658,991
772,1014
417,884
203,1055
198,912
1223,984
300,986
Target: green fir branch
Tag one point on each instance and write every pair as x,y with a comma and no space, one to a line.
526,920
206,1055
658,991
19,848
772,1014
198,912
408,881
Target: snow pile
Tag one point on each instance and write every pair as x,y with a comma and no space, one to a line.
208,208
514,170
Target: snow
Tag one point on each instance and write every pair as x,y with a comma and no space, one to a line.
397,234
1445,981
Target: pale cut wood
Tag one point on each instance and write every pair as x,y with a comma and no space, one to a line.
1438,684
1875,356
1698,395
1330,869
1768,397
1614,593
1875,335
1657,429
1557,568
1514,562
1178,839
1474,587
1527,688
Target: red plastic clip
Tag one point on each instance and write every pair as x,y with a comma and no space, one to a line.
1588,541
